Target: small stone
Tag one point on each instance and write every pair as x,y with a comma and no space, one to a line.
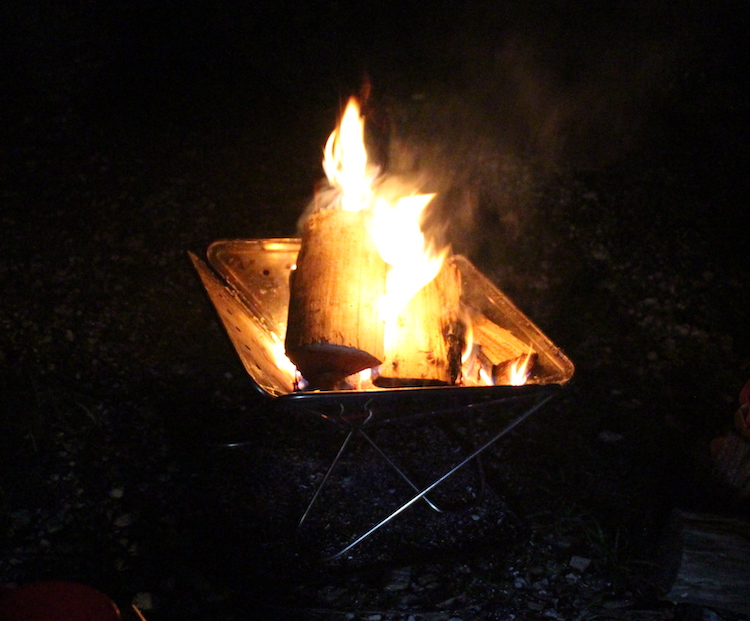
616,604
332,593
428,581
116,492
579,563
534,605
540,585
124,520
609,437
375,617
143,601
399,580
21,519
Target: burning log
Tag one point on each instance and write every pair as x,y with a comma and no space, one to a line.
423,345
334,326
498,344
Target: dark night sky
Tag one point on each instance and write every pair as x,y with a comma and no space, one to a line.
595,64
586,84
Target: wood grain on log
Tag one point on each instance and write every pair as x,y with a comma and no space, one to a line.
421,347
497,343
334,327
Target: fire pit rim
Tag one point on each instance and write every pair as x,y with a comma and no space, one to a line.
228,282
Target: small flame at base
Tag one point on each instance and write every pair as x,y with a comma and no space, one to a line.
520,369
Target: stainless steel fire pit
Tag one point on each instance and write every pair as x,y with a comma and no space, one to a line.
248,283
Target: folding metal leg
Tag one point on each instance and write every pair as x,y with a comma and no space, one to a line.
398,470
357,429
421,493
335,461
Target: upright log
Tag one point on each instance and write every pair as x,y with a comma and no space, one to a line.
334,327
421,344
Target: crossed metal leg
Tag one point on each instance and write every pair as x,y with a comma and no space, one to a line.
420,493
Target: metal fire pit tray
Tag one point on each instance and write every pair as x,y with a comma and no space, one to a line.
250,290
248,283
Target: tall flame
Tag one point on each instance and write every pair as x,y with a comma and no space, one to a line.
345,160
396,221
398,236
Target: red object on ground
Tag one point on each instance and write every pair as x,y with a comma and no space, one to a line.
56,601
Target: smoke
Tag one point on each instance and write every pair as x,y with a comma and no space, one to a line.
585,116
513,95
496,101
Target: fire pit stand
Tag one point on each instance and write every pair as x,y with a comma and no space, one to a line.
506,406
249,287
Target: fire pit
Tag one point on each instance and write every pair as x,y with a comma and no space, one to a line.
248,283
249,286
365,319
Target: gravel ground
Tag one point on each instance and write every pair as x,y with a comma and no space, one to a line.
593,166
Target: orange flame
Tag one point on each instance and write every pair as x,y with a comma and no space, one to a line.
518,373
396,221
276,347
345,160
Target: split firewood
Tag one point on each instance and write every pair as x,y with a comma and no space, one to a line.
497,343
334,327
423,343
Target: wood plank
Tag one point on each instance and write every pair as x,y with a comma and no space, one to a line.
706,561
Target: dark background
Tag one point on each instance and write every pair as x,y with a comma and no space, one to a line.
591,159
